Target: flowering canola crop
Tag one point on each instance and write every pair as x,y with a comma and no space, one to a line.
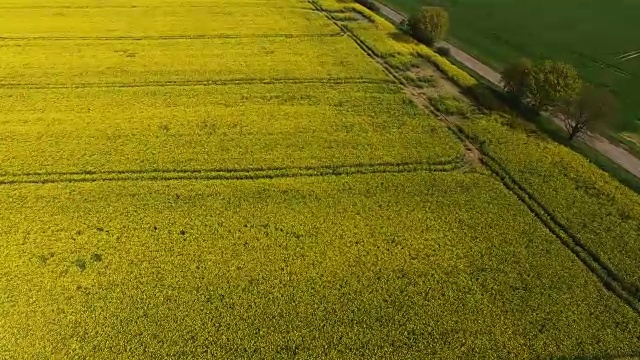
238,179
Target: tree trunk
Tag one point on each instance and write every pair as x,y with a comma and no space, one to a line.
575,131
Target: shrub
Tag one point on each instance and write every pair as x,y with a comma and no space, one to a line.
419,81
516,78
429,25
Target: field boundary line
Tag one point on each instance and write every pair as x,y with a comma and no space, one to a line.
364,47
36,38
133,7
232,174
187,83
609,278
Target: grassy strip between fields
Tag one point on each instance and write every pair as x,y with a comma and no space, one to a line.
602,230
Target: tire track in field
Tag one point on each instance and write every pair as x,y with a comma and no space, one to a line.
133,7
167,37
188,83
625,290
231,174
612,281
629,55
603,64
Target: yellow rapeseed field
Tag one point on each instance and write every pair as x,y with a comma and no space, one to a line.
76,62
367,266
142,21
231,126
239,179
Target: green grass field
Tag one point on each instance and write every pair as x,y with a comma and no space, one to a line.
590,34
194,189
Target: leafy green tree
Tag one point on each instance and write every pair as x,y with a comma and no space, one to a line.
516,78
552,83
591,109
430,25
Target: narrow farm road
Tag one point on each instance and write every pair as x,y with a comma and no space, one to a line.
615,153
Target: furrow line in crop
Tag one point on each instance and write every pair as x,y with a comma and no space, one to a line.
186,83
133,7
607,276
231,174
168,37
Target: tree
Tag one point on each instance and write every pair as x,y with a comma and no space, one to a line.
552,83
429,25
591,109
516,78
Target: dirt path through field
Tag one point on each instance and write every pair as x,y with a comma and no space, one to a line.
615,153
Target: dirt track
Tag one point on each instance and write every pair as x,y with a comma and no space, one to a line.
615,153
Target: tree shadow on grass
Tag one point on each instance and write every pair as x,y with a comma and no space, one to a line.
403,38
